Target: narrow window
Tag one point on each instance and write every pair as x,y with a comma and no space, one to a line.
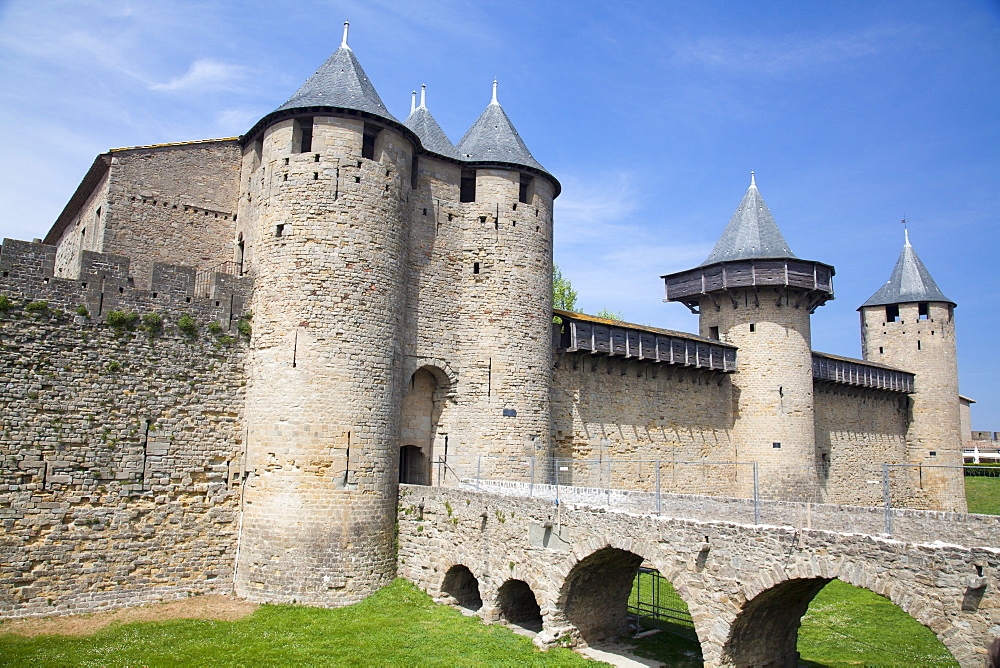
524,191
881,350
240,248
892,312
918,345
315,176
278,229
713,333
753,327
368,142
414,173
316,158
475,267
923,311
302,135
98,212
467,189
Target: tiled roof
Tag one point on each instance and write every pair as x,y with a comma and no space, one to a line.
339,82
492,138
751,233
910,282
431,135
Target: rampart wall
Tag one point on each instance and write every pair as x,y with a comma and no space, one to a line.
120,447
857,430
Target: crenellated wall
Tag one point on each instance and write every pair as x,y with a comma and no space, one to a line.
121,448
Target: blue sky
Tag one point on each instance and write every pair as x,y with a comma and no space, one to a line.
652,114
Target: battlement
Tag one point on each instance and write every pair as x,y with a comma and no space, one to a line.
104,284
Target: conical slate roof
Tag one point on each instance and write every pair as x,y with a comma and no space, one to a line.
751,233
431,135
339,82
492,138
910,282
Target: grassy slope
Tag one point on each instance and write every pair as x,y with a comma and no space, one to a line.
397,626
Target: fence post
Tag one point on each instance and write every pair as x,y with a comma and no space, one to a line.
556,462
479,466
887,498
657,486
756,496
531,481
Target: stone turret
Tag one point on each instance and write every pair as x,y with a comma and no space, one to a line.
754,293
909,323
506,305
323,213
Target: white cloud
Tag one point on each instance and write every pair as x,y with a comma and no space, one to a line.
778,57
204,74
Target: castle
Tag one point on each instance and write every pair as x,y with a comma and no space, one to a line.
226,354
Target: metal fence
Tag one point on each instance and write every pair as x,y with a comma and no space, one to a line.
892,499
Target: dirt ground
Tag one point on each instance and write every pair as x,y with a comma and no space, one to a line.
226,608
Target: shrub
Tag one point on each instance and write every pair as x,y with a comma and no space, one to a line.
152,322
244,327
215,328
37,308
113,366
5,303
82,310
187,325
122,319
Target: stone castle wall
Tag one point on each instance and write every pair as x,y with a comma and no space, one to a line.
121,449
173,204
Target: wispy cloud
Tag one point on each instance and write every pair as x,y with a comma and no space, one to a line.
204,74
780,57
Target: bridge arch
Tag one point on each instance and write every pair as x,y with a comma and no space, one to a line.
766,629
517,604
594,595
463,587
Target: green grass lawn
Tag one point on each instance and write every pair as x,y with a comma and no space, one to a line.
844,626
397,626
983,494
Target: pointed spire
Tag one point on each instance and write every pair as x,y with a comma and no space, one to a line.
339,82
432,137
751,232
492,138
413,101
910,281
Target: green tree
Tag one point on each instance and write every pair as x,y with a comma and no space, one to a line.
608,314
563,294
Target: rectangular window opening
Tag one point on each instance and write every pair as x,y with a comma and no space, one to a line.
524,190
918,345
279,230
713,333
302,135
923,311
753,327
892,312
368,142
475,267
415,172
467,189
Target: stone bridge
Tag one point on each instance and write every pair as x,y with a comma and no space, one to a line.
746,586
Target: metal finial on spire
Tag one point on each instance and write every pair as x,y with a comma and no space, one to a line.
753,183
413,101
423,96
906,233
494,101
343,42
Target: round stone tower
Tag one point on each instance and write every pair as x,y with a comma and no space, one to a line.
910,324
506,284
324,230
754,293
